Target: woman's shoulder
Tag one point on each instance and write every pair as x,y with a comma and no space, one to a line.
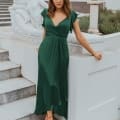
73,13
44,11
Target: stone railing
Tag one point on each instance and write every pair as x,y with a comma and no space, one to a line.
94,85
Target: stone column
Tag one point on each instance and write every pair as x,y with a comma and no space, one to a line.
94,12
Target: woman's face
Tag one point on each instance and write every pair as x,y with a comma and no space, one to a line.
58,3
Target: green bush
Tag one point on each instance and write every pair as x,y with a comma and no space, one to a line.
109,22
84,23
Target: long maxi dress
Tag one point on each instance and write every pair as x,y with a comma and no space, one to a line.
53,61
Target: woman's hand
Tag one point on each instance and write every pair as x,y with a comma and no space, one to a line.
97,55
82,40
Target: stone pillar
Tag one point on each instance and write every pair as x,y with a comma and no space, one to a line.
94,12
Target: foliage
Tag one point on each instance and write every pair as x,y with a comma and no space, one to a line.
109,21
84,23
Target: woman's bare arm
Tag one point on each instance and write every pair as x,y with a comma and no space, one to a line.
43,33
82,40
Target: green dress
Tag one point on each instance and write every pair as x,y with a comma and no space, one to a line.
53,61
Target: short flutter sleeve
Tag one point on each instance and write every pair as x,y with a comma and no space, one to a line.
43,13
73,18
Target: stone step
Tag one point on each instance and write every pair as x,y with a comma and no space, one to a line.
17,109
4,6
39,117
4,9
4,12
5,19
15,89
6,0
9,70
33,117
6,3
4,55
5,23
4,15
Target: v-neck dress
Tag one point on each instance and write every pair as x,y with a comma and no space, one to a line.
53,62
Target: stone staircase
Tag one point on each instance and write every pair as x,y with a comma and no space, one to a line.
17,94
4,13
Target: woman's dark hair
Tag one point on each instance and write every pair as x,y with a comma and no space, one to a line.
66,8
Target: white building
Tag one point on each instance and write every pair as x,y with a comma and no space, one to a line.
111,4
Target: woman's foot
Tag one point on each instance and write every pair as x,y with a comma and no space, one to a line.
46,118
49,115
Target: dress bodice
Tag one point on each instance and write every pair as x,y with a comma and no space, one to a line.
62,28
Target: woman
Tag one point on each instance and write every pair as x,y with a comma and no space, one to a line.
53,58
